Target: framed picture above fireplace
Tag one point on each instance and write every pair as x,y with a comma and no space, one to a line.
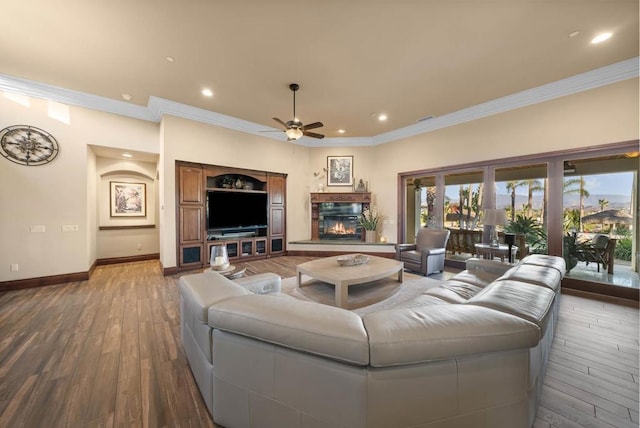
339,170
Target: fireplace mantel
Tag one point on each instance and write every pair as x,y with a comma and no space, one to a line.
316,199
362,197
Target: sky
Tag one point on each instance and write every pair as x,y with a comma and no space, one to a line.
620,183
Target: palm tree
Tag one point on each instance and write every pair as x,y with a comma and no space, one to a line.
534,186
603,203
571,189
511,187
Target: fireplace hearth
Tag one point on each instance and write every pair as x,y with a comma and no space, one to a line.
334,216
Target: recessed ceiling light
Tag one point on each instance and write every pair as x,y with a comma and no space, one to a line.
127,97
170,59
574,34
601,38
341,131
207,92
127,155
382,117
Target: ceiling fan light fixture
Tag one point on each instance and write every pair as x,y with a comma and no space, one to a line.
293,133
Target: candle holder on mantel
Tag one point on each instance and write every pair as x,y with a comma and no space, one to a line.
219,258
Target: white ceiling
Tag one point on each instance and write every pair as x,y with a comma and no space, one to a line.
352,58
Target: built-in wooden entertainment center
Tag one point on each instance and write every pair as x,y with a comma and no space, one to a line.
202,221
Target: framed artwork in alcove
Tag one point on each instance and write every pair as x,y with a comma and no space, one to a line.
128,199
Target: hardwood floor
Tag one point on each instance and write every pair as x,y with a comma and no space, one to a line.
106,352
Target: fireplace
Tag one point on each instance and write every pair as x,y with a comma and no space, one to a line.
339,220
334,216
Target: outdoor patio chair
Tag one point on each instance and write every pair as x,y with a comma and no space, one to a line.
594,251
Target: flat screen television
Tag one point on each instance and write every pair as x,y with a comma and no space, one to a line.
231,210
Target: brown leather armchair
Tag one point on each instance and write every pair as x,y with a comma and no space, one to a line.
427,254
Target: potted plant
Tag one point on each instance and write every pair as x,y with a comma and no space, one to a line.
369,221
226,182
570,250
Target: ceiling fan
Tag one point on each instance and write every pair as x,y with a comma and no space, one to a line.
294,129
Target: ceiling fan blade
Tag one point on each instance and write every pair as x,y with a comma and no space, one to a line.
313,135
280,122
314,125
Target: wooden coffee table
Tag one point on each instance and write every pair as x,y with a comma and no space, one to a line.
328,270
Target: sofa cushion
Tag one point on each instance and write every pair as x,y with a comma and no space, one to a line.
427,333
550,262
476,277
533,274
421,300
454,291
527,301
306,326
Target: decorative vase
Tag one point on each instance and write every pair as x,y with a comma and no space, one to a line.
370,236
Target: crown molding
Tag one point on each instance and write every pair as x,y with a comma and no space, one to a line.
157,107
34,89
603,76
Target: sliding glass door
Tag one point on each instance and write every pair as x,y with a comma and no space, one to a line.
582,205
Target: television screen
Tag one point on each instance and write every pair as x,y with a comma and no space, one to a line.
236,209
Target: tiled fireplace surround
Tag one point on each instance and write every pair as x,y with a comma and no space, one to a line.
334,216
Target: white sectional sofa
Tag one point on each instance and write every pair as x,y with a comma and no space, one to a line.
471,352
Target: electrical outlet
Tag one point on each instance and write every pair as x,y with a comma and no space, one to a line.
139,246
37,229
69,227
14,267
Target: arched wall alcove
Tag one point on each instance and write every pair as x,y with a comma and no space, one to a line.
126,209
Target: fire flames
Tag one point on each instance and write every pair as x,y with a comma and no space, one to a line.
338,228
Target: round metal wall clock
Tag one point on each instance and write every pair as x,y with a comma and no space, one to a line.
28,145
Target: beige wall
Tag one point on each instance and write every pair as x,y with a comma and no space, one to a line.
600,116
63,192
126,242
191,141
58,193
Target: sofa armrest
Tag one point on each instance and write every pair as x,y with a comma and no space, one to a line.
404,247
433,251
261,284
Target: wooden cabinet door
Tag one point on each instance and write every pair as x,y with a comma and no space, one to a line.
190,185
276,221
191,218
277,189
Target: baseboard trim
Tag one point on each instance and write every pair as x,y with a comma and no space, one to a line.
127,259
20,284
596,288
174,270
600,297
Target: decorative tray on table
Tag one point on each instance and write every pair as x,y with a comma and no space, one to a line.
352,260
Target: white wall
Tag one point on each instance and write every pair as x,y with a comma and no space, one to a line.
58,193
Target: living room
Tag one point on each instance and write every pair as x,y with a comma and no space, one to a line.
41,201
